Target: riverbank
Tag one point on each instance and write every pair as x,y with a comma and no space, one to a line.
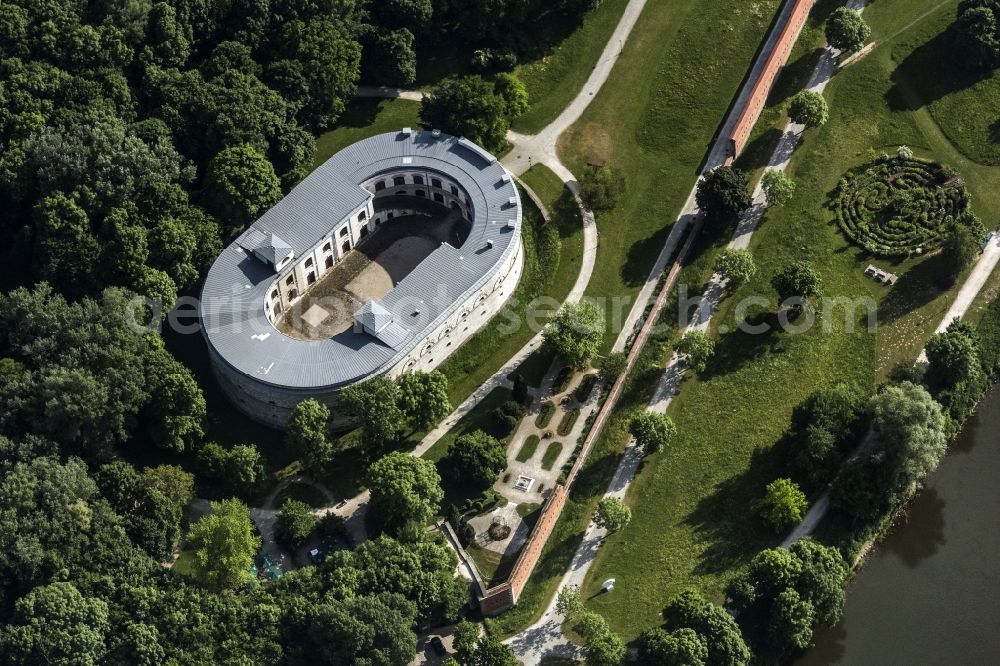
927,593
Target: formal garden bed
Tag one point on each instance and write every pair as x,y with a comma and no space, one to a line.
545,414
552,453
898,206
528,448
568,421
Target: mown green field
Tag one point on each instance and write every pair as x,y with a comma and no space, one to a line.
691,525
655,118
555,76
365,117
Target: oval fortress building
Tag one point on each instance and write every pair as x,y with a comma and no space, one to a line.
385,259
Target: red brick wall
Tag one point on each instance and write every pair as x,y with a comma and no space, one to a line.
762,88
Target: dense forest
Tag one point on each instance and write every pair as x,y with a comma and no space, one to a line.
136,138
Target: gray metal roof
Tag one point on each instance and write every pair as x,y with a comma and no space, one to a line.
232,304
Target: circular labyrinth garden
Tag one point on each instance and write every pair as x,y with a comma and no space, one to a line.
897,207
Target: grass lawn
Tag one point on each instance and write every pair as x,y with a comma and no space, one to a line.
184,564
567,421
545,412
478,418
528,448
301,492
363,118
690,526
487,561
655,118
555,76
552,261
552,452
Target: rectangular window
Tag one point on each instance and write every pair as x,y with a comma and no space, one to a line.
418,180
436,182
454,190
379,186
398,180
311,278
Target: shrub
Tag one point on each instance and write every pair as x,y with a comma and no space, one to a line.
602,187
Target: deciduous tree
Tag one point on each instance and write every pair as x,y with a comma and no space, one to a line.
846,30
240,185
697,349
405,494
783,504
736,265
723,196
652,431
476,458
224,546
778,187
576,333
612,514
809,108
423,397
307,433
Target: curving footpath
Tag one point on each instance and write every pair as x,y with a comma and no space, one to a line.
544,638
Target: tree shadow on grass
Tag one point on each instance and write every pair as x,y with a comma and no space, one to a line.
916,288
726,519
928,74
641,256
735,349
995,131
360,112
794,77
757,153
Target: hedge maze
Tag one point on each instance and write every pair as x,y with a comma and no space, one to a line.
896,207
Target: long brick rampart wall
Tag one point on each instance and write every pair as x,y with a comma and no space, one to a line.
505,595
776,60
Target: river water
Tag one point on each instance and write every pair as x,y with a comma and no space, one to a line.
930,593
